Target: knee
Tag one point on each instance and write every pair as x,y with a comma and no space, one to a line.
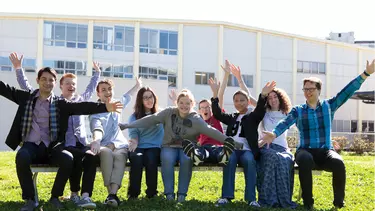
304,159
65,160
338,165
136,158
167,159
23,158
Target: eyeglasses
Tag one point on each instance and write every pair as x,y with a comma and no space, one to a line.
309,89
204,108
148,97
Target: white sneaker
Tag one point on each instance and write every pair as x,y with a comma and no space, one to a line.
254,204
221,202
74,198
87,203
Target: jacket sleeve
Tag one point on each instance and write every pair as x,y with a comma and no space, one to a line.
81,108
13,94
218,112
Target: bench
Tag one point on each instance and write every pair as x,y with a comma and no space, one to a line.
39,168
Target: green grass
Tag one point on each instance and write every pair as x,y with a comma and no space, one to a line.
204,190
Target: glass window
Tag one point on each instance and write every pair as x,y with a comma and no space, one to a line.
153,41
98,34
48,30
299,66
198,78
129,36
59,31
119,35
59,64
173,40
82,33
322,68
306,67
71,32
4,61
108,38
70,65
248,80
163,41
314,67
29,62
48,63
69,35
143,42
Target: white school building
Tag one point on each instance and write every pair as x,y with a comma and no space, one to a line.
176,54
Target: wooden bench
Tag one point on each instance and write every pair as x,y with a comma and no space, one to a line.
39,168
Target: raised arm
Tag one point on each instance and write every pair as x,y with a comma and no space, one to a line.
260,109
224,83
348,91
90,89
216,109
149,120
20,74
127,97
236,71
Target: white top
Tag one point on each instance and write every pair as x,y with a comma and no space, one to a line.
237,137
270,120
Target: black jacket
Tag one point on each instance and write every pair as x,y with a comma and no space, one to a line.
250,123
64,107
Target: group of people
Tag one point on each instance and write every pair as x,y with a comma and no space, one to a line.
51,129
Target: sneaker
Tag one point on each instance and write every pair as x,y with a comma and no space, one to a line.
228,149
222,201
181,198
29,205
254,204
192,151
55,202
339,205
86,202
112,200
170,197
74,198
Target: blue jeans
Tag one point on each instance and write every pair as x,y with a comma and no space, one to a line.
245,159
169,157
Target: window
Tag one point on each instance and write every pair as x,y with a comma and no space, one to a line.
159,73
118,71
311,67
158,42
247,79
29,65
203,77
68,35
117,38
62,67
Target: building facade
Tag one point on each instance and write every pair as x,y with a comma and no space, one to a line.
184,54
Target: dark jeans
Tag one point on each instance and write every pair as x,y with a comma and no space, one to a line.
82,162
213,153
325,159
150,159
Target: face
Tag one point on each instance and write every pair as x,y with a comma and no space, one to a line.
105,92
240,103
311,92
273,101
184,106
205,110
69,86
46,82
148,100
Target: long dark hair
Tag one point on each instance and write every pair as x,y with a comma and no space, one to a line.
139,108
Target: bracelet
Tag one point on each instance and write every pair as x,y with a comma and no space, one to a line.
364,72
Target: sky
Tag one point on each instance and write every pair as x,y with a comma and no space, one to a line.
312,18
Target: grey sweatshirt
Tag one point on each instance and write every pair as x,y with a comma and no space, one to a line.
176,128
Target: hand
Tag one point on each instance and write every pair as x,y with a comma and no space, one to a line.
123,126
96,66
370,68
173,95
94,147
133,144
336,145
268,88
226,68
111,147
268,137
236,71
114,106
138,82
17,62
215,86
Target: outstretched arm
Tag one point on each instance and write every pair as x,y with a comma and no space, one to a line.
20,74
87,108
148,121
90,89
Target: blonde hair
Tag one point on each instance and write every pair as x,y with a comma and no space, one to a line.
186,93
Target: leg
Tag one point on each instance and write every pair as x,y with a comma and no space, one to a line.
89,172
75,177
184,176
135,174
151,161
168,158
248,163
64,160
106,165
120,157
229,175
305,162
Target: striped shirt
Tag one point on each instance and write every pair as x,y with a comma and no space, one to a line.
314,125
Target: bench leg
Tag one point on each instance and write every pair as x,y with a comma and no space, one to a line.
35,175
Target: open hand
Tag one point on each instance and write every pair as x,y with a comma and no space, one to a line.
17,62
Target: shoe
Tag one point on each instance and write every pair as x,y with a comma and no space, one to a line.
192,151
308,206
228,149
222,202
254,204
29,205
55,202
74,198
181,198
170,197
112,200
86,202
339,205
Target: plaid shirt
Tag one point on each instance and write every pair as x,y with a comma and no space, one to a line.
314,125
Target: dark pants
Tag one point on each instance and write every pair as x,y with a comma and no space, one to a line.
328,160
213,153
150,159
85,162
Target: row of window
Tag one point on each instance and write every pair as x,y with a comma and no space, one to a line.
159,73
311,67
352,126
62,67
116,38
203,77
28,64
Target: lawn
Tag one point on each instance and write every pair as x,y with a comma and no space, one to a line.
205,189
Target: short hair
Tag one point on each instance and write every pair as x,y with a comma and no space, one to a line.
67,75
186,93
47,70
203,101
241,92
317,81
105,81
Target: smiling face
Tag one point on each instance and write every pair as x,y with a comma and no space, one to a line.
273,101
68,87
46,83
148,100
184,105
311,92
105,92
205,110
240,102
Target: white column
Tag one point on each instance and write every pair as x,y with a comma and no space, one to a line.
90,47
40,44
180,53
137,34
359,102
220,52
258,73
328,71
294,71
